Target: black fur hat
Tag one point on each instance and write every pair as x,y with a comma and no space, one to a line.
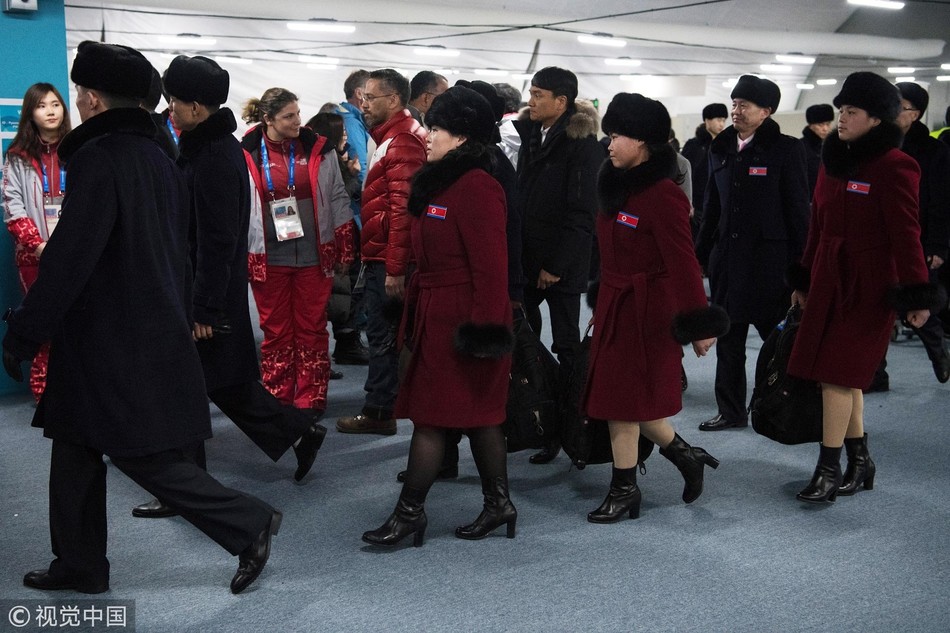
496,101
463,112
117,70
758,90
872,93
197,79
819,113
715,111
915,94
636,116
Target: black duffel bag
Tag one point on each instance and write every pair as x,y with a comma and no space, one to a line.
531,413
585,440
784,408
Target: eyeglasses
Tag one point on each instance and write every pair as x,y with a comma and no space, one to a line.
369,98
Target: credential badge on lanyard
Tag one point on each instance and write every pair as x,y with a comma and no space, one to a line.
284,212
53,205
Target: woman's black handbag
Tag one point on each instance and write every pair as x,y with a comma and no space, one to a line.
585,440
531,412
784,408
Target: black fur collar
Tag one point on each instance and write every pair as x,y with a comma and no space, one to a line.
917,139
436,177
842,160
765,135
615,185
218,125
811,139
117,120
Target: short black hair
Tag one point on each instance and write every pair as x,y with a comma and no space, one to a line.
357,79
393,80
559,81
424,81
511,95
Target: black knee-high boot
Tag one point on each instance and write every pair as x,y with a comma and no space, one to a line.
827,478
690,462
409,517
498,510
861,469
623,498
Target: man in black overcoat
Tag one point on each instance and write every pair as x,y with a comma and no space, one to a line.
124,375
754,225
557,180
820,118
696,151
219,191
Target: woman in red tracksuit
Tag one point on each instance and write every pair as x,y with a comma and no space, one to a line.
300,233
33,187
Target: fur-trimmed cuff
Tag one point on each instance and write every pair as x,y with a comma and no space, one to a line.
489,340
696,325
914,297
798,277
392,310
592,291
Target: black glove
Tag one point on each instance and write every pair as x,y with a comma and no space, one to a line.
11,364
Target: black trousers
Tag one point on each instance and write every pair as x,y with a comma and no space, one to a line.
270,424
565,311
731,382
77,505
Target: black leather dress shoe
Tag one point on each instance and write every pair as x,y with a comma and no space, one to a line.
545,455
942,368
306,450
335,375
719,423
42,579
254,557
154,509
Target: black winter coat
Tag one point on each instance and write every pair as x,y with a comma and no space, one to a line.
214,167
558,187
754,223
124,376
696,151
504,173
934,160
812,146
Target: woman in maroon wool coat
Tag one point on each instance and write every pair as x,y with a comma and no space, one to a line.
862,260
650,300
459,317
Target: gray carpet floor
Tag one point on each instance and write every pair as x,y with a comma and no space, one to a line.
744,557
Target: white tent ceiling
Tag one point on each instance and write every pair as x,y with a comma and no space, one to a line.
689,47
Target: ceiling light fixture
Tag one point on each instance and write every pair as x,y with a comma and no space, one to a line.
189,39
805,86
826,82
730,83
794,59
943,77
436,50
602,39
900,79
877,4
224,59
900,70
776,68
622,61
945,66
321,25
521,76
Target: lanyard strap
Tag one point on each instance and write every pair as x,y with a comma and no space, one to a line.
62,179
266,164
171,128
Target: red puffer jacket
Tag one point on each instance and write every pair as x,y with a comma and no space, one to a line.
400,152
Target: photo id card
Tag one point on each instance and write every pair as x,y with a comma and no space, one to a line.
52,208
286,219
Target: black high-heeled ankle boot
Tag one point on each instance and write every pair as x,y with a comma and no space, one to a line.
690,462
498,511
861,469
827,478
623,498
409,517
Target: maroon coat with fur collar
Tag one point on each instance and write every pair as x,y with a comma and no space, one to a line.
458,296
863,243
650,283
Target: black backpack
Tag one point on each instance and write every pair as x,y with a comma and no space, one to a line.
531,413
585,440
784,408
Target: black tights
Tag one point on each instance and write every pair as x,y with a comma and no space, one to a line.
428,446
